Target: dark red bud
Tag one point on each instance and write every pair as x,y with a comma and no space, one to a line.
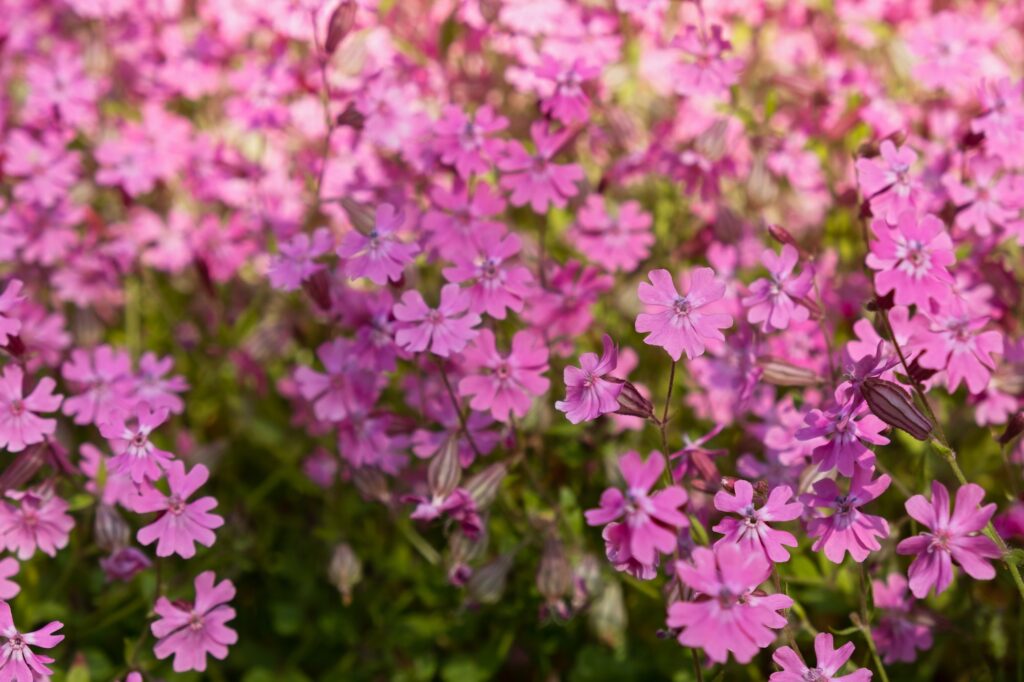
894,406
1014,428
343,18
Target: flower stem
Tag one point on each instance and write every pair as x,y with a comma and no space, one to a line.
663,423
697,669
865,623
458,408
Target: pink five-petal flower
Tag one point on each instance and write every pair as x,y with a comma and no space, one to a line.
191,631
104,376
10,301
181,523
727,615
842,436
887,183
652,520
848,529
295,261
682,323
561,88
445,329
39,521
496,283
709,73
899,632
588,394
379,256
952,538
751,531
465,142
505,384
615,242
954,341
829,661
911,259
128,435
20,425
774,301
533,178
18,663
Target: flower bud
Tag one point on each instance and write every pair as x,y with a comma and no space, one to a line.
318,286
554,575
445,471
608,615
124,563
1014,428
894,406
463,551
483,486
633,404
110,529
760,187
23,468
371,484
351,117
360,216
712,143
345,571
488,583
781,373
782,236
1009,378
343,18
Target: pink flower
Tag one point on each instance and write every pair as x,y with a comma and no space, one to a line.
379,256
652,520
561,88
504,384
191,631
181,523
751,531
10,300
457,505
112,487
20,425
588,394
614,242
445,329
134,453
534,179
18,663
486,262
457,216
887,184
829,662
954,341
774,302
295,261
151,385
912,258
709,73
39,520
727,615
848,529
685,322
842,438
46,168
104,376
617,538
993,201
344,390
952,538
124,563
465,142
8,588
899,634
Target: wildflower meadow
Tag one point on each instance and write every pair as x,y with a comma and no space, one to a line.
555,340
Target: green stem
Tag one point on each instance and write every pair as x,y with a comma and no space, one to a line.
865,623
697,669
458,408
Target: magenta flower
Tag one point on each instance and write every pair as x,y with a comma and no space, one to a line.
994,200
952,538
561,88
682,323
10,301
588,394
505,384
709,73
775,302
829,662
181,524
39,520
20,423
456,216
899,633
727,614
295,261
842,437
955,342
191,631
457,505
534,179
912,258
105,377
465,142
344,390
887,184
134,453
154,387
379,256
8,588
617,537
445,329
848,529
652,520
124,563
618,242
496,284
751,531
18,663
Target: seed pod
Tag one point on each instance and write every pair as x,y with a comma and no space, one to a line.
488,583
633,404
894,406
23,468
1014,428
111,531
781,373
445,471
1009,378
345,571
483,486
554,575
343,18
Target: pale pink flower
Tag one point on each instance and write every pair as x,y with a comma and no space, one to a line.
751,531
380,256
560,85
848,529
955,341
682,323
727,615
533,178
497,284
129,438
191,631
505,384
37,519
103,374
46,167
829,661
152,386
992,201
296,259
709,73
344,390
617,242
775,302
20,423
111,486
18,663
951,538
886,182
466,142
588,394
445,329
911,258
181,523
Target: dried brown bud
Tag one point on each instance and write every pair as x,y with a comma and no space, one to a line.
781,373
360,216
894,406
111,531
1014,428
345,571
483,486
351,117
633,404
343,18
445,470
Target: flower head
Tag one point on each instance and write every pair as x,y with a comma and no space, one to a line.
774,302
682,322
899,633
533,178
35,519
379,255
191,631
848,529
129,438
18,663
887,182
20,425
751,531
829,661
497,283
181,523
588,394
843,437
911,258
445,329
505,384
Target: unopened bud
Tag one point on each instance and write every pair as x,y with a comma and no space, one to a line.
351,117
445,470
781,373
554,575
1014,428
343,18
23,468
488,583
760,187
782,236
483,486
633,404
15,346
1009,378
319,289
894,406
463,551
711,142
112,532
360,216
345,571
371,484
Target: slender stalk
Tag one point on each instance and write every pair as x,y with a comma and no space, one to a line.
663,423
325,102
697,669
864,623
458,408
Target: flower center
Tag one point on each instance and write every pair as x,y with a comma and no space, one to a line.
434,317
682,306
17,642
815,675
503,371
940,540
176,505
195,621
17,407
